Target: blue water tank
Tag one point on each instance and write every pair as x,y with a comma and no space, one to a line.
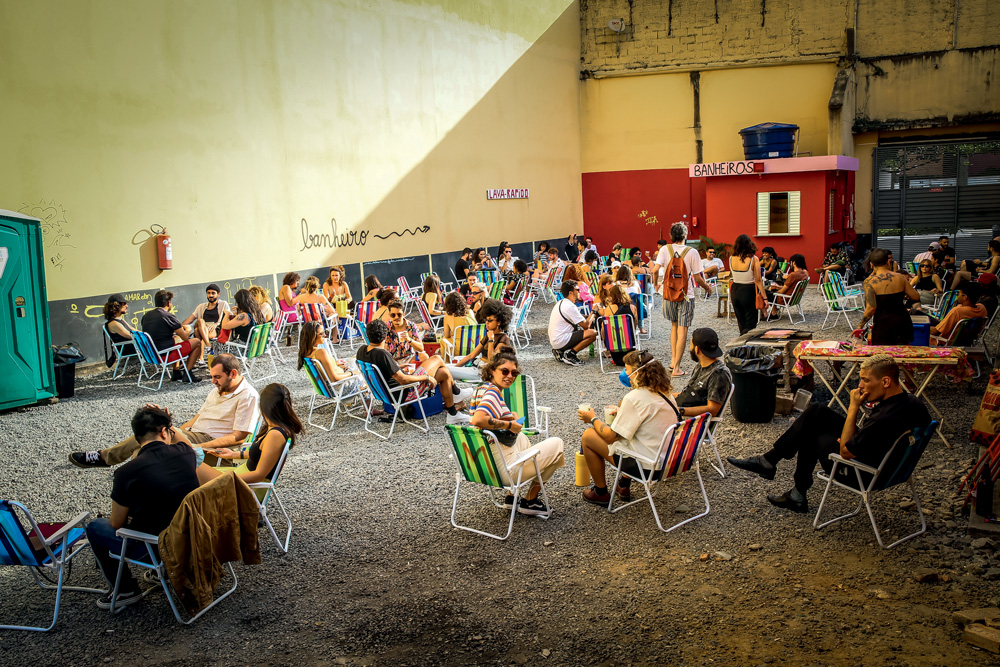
769,140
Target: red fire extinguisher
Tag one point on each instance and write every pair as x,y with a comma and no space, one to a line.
164,254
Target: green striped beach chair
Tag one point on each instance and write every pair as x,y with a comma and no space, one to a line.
258,344
790,301
838,304
480,461
520,399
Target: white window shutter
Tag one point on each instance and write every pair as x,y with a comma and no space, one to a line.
794,206
763,213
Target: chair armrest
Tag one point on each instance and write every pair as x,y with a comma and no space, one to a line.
544,408
61,533
166,353
854,463
136,535
625,451
261,485
524,458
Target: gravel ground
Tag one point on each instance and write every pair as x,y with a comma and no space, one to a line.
376,575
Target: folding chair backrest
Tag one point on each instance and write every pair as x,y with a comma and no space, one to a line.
911,268
467,338
15,547
144,346
830,295
257,426
783,267
682,451
947,302
915,442
643,280
277,470
497,289
486,277
317,376
425,276
475,457
966,332
800,289
364,312
404,286
517,400
376,383
555,276
279,320
260,336
424,313
617,333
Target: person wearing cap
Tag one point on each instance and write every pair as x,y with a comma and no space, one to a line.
711,381
879,413
118,328
207,316
931,249
834,261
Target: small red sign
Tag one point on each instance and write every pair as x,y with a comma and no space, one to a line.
937,189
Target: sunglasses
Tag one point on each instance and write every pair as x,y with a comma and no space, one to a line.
506,371
396,316
925,266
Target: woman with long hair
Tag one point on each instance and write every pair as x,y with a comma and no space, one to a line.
311,294
117,327
286,300
260,460
927,283
456,314
624,277
492,414
336,288
263,300
572,272
619,303
372,287
747,283
481,260
542,253
603,296
639,422
247,317
312,345
432,296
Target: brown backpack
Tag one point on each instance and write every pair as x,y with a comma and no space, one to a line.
676,277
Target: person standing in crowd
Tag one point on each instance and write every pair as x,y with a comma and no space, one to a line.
747,283
885,302
639,422
165,330
680,312
571,249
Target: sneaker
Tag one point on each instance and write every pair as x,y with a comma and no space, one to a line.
557,354
124,599
569,357
195,377
464,395
531,507
87,460
458,418
201,363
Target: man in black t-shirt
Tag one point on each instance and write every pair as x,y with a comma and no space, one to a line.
571,248
709,386
879,413
462,266
162,326
947,260
431,372
145,495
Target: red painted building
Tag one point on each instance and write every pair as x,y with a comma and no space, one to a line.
795,205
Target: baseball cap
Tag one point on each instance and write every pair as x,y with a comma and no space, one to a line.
934,246
707,341
118,297
215,287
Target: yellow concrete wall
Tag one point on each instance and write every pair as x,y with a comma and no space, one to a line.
646,122
229,122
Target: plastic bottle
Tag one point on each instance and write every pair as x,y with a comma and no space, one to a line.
592,351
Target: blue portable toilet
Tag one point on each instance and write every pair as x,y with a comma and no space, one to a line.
769,140
25,339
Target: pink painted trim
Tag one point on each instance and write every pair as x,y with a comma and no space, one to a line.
812,163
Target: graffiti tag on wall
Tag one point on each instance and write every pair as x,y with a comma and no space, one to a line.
55,228
337,239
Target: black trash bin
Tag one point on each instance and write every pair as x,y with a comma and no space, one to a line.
64,359
756,370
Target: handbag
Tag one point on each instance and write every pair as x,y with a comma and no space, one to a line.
761,303
575,325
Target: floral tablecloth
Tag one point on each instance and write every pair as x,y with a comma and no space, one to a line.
907,355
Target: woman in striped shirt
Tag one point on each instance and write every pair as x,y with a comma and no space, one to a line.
492,414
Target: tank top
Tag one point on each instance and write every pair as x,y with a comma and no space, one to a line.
253,457
891,324
241,333
744,277
211,315
118,338
926,283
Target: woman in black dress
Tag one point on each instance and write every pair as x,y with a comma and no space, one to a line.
885,302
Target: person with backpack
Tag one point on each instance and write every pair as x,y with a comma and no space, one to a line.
682,269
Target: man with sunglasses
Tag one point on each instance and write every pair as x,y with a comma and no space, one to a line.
569,330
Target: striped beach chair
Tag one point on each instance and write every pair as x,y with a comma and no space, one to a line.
867,480
617,334
60,542
946,303
480,462
678,453
327,392
497,290
257,346
520,399
838,305
393,399
466,339
788,302
314,312
519,331
158,359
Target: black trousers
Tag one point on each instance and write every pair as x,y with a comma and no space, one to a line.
811,438
744,300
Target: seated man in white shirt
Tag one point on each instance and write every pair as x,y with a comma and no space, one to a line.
225,419
712,264
564,336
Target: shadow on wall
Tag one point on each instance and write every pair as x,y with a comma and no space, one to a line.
524,132
145,242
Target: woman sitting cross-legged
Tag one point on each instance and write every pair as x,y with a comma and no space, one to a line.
248,316
640,421
261,459
492,414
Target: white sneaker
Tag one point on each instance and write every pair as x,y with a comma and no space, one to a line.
458,418
464,395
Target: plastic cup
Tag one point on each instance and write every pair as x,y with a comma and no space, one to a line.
609,413
583,407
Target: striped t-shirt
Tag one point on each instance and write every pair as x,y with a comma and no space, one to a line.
489,399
